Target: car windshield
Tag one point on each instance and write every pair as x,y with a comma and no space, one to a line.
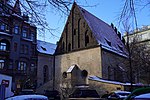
123,94
35,99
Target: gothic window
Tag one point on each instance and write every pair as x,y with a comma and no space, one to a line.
63,46
69,47
2,63
109,72
22,66
67,34
86,39
45,73
79,24
74,31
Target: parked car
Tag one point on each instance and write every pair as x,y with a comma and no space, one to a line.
118,95
137,92
142,97
52,95
26,92
85,93
28,97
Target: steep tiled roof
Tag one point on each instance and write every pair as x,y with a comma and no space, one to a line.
45,47
105,35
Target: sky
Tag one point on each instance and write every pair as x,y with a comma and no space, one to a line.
106,10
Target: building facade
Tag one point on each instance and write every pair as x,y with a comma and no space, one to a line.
92,45
139,43
45,66
18,56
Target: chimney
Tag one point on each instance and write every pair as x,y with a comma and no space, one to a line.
16,8
115,29
123,40
119,34
112,25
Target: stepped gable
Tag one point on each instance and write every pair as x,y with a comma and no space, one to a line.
16,8
104,34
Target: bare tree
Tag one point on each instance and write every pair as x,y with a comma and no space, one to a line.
130,10
138,65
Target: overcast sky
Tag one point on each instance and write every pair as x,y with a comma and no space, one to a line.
106,10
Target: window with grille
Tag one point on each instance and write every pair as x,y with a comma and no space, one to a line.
2,63
3,46
22,66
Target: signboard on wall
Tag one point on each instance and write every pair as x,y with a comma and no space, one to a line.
5,82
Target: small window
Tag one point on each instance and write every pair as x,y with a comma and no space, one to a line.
2,26
24,33
43,48
2,63
3,46
32,67
16,29
22,66
108,42
7,28
120,48
32,36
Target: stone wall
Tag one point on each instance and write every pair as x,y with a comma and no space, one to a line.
89,60
103,87
45,60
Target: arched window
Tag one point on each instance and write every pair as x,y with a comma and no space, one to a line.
45,73
86,38
69,47
79,24
63,46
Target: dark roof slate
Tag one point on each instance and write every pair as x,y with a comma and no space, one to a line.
104,34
